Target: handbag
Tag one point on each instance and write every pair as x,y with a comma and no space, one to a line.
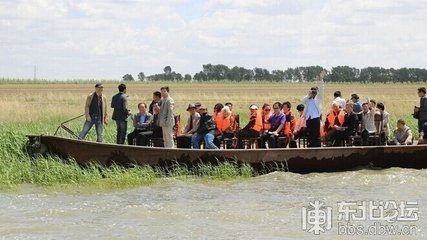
416,114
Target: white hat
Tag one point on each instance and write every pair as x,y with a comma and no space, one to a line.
254,107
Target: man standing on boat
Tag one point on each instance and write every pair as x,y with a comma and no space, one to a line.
121,112
421,111
313,111
95,113
166,117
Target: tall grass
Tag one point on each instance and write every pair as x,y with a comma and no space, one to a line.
17,167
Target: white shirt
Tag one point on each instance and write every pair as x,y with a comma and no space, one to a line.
368,121
311,106
340,102
312,111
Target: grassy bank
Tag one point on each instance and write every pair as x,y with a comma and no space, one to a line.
18,167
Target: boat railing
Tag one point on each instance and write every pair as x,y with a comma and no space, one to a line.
62,126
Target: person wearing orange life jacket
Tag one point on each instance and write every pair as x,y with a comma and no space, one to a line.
277,121
335,120
290,122
233,115
217,110
300,125
225,126
253,128
266,114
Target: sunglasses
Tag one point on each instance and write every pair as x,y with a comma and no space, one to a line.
267,110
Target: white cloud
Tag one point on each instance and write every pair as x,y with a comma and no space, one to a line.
106,39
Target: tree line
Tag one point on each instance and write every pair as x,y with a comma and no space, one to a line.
220,72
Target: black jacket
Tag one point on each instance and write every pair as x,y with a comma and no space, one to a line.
206,124
120,105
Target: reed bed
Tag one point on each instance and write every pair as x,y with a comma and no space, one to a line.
18,167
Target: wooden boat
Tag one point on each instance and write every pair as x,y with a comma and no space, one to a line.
299,160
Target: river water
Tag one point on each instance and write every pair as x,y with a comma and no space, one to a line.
273,206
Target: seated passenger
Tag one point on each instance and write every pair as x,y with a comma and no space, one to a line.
300,126
184,140
233,114
289,127
402,135
217,110
205,131
225,126
142,122
351,122
197,104
334,125
277,121
265,114
253,128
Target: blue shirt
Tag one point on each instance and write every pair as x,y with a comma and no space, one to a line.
357,107
277,120
141,118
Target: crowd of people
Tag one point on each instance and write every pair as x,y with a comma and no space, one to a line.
347,122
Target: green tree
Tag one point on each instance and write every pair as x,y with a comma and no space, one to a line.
278,75
201,76
344,74
187,77
141,76
128,77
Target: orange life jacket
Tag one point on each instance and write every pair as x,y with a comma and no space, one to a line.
266,125
289,126
300,123
335,119
216,115
224,123
258,121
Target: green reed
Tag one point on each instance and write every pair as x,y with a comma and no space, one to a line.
18,166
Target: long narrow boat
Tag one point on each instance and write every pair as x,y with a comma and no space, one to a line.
299,160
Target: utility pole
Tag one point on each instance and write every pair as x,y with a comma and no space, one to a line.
35,72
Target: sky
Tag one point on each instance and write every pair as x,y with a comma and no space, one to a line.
105,39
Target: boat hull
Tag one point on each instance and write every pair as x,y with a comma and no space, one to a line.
299,160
